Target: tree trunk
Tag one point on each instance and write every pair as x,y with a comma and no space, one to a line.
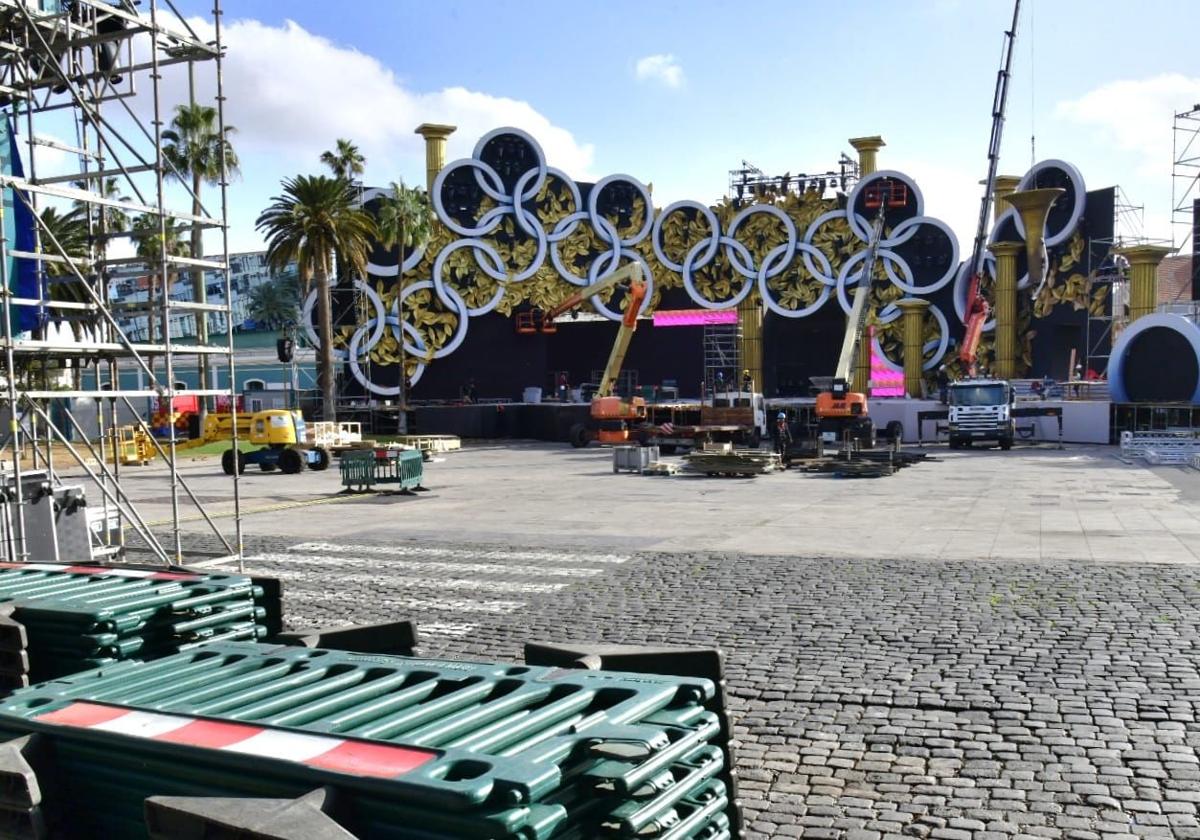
402,426
325,320
200,295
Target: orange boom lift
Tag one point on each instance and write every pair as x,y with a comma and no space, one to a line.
611,414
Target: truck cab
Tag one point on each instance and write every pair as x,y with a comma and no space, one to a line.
981,410
737,408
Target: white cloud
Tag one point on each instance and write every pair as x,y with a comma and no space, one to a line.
662,68
292,93
1134,115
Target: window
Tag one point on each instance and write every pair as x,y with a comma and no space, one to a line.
254,385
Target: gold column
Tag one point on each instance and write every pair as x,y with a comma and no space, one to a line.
867,147
435,149
860,381
1005,185
1006,307
1143,277
913,312
750,323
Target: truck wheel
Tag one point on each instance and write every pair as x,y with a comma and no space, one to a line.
291,461
895,430
756,439
229,458
322,462
578,436
955,443
1006,443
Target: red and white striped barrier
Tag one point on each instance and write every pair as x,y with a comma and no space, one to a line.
326,752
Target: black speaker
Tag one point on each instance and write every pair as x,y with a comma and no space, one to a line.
285,348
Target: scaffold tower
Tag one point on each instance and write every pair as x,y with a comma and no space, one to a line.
112,73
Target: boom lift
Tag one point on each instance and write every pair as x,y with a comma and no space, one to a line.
977,306
611,414
843,414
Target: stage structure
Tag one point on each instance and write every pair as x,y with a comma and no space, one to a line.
513,236
99,73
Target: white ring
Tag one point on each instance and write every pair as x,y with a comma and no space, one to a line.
310,302
858,224
356,367
789,227
828,279
910,287
594,197
713,224
441,287
440,209
499,194
460,308
594,276
1029,181
1167,320
411,261
764,290
689,283
556,259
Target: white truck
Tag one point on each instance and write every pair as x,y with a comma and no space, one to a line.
981,410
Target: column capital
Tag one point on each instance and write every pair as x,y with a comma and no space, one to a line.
435,131
1144,254
867,144
907,305
1006,249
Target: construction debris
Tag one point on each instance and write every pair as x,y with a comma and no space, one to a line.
723,459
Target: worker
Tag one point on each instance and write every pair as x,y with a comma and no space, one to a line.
719,384
783,436
943,383
468,391
747,382
564,386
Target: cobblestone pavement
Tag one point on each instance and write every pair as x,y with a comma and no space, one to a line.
872,699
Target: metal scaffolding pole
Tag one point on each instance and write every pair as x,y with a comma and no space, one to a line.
68,60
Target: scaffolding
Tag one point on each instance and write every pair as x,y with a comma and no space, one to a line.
721,361
79,64
1185,177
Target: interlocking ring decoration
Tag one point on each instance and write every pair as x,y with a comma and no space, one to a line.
485,203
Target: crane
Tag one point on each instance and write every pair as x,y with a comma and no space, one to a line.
977,306
611,414
839,410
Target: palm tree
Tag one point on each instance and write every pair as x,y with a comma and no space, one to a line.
276,303
315,216
404,223
345,161
116,220
149,247
195,146
63,286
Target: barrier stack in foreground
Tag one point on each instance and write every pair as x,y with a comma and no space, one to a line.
61,619
372,745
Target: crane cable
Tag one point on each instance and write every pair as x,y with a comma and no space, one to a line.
1032,93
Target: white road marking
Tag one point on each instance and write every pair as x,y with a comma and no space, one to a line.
508,586
411,551
437,628
419,566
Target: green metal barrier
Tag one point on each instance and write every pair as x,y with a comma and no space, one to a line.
402,748
57,619
365,468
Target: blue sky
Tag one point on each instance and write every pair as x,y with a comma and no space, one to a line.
781,84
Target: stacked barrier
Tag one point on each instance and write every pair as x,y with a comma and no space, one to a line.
300,742
60,619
